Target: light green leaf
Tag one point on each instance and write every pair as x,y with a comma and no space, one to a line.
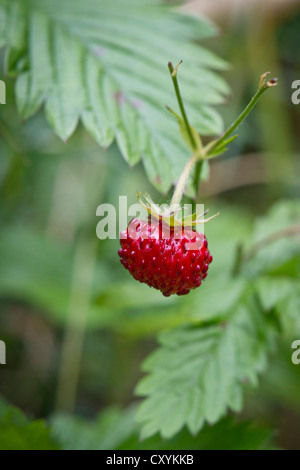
218,298
277,251
116,429
283,295
105,63
111,428
199,373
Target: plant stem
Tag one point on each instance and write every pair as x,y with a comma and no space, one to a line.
238,260
197,175
79,304
201,154
173,73
263,86
179,190
239,120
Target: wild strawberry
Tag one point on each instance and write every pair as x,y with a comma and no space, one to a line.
171,259
178,261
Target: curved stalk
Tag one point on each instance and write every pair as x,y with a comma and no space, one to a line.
179,190
201,154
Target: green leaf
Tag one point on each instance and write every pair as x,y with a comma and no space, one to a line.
111,428
283,295
282,382
105,63
277,252
198,373
17,433
217,300
116,429
274,264
225,435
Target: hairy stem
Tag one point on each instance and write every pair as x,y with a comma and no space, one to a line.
173,73
201,154
179,190
263,86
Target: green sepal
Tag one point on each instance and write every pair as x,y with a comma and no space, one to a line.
217,153
220,148
168,214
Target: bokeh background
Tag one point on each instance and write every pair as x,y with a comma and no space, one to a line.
76,326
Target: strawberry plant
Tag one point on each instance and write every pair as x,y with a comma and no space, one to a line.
96,109
166,253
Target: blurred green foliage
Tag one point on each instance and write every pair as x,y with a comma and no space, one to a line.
77,327
18,433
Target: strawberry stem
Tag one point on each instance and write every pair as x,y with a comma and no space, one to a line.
218,144
179,190
263,86
173,73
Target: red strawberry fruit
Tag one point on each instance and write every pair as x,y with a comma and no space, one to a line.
169,254
172,259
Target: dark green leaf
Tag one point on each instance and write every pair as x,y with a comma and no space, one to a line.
17,433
